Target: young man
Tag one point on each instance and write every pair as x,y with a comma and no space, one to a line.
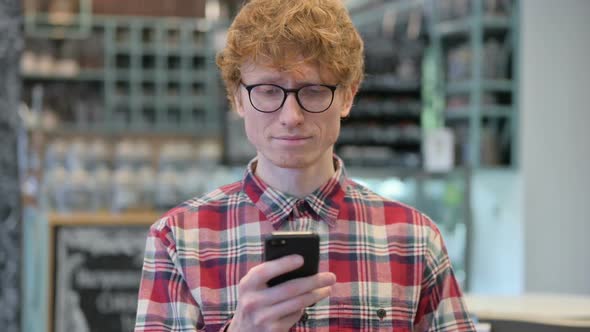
292,69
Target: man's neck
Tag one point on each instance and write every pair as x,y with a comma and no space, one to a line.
298,182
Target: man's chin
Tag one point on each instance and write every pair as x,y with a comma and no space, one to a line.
291,161
292,164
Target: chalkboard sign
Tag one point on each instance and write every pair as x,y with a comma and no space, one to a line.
96,277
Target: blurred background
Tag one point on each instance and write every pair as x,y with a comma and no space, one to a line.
111,112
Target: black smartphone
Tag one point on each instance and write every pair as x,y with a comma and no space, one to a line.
306,244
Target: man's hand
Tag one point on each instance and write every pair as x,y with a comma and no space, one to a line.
277,308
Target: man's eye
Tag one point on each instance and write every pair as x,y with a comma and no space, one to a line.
269,90
315,91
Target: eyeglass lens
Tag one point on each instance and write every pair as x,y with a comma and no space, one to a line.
269,98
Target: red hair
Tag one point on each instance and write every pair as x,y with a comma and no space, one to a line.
288,33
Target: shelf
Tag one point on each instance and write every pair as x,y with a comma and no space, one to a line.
84,75
104,218
149,75
359,114
189,130
453,27
466,87
57,26
195,101
401,144
363,12
176,76
157,78
496,22
123,48
155,50
196,51
497,85
464,25
145,100
400,172
464,113
380,84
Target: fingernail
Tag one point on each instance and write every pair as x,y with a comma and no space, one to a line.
333,276
330,278
297,259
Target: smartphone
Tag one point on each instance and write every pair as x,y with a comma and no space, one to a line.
306,244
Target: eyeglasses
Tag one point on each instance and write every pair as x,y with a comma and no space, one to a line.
269,98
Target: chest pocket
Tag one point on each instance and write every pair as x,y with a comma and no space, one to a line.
372,317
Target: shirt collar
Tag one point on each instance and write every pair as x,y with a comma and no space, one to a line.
277,206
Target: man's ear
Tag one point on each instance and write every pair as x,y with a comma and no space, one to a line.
237,101
349,95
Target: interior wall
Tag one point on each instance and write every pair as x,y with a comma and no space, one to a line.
10,226
497,250
555,138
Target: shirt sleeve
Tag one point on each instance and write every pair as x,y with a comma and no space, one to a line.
441,306
165,302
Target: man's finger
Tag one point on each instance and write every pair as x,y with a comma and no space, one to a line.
297,303
299,286
259,275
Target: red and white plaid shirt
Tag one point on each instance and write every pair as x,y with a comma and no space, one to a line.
390,262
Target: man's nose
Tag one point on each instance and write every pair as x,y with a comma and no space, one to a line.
291,114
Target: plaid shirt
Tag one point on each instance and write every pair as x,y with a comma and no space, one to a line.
390,262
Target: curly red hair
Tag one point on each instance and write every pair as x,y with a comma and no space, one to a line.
288,33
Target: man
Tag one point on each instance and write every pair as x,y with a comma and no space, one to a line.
292,69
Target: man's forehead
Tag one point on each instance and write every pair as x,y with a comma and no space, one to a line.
275,71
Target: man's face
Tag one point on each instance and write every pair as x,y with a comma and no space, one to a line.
292,137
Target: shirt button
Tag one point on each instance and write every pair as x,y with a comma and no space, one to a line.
304,317
381,313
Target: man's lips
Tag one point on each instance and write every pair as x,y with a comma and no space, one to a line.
298,140
292,138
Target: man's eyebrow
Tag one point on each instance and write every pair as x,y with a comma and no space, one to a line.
272,79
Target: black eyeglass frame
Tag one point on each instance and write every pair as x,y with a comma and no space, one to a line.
286,94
